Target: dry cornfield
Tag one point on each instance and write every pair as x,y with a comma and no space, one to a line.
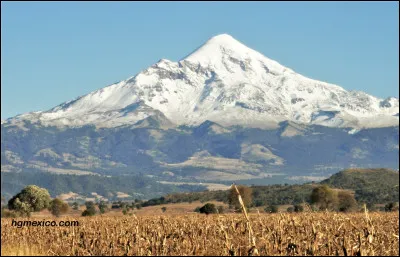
196,234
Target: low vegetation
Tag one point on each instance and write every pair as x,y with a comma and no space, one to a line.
371,186
321,233
353,187
58,207
208,208
90,209
316,229
31,199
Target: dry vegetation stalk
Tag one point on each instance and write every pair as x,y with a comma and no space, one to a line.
305,234
253,250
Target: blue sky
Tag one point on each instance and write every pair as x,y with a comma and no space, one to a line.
52,52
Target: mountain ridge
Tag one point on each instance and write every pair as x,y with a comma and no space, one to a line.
226,82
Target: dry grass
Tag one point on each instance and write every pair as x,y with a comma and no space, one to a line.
20,250
196,234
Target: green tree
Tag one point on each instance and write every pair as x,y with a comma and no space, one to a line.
57,207
324,197
246,194
346,201
90,209
31,199
208,208
103,207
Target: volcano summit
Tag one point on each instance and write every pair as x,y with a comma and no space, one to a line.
225,82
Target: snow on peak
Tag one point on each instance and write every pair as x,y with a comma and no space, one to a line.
223,37
225,53
227,41
226,82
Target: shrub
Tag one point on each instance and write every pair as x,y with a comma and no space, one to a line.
5,213
90,209
298,208
290,209
271,209
208,208
57,207
392,207
347,202
324,197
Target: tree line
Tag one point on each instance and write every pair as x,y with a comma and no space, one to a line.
33,199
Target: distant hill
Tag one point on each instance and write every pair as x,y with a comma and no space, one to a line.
134,186
371,186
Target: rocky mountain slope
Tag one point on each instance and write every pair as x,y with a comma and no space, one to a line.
225,82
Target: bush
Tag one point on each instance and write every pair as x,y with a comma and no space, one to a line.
90,209
298,208
290,209
324,197
8,214
197,209
392,207
57,207
164,209
347,202
208,208
271,209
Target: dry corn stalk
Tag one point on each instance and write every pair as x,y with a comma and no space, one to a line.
253,250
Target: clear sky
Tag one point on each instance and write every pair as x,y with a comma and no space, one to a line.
52,52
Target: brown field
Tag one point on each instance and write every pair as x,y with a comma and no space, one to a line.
305,233
172,208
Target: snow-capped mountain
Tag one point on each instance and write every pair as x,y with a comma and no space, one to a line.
291,128
225,82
